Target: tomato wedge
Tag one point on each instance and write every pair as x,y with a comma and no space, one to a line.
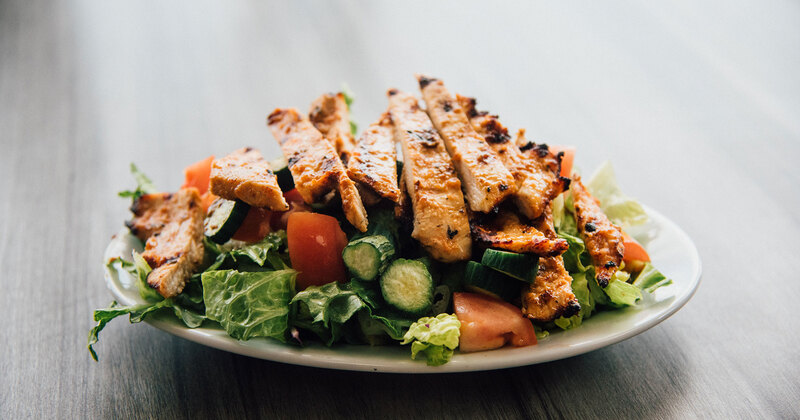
634,251
316,243
198,174
255,226
567,160
489,323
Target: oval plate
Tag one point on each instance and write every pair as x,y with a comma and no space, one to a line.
671,250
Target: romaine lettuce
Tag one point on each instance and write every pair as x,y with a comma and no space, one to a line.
249,304
138,313
650,279
621,293
251,257
324,310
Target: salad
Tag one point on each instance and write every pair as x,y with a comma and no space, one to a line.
433,228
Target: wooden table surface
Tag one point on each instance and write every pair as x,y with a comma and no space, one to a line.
697,105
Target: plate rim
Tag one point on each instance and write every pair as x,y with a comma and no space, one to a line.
283,353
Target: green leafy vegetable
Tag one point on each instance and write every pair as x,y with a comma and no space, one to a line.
141,270
620,292
267,251
650,279
621,209
137,314
249,304
143,185
436,337
325,309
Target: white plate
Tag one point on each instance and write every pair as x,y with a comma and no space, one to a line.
671,250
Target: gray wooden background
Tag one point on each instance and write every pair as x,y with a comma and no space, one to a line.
697,105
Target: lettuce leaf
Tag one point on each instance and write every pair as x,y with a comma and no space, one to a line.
143,185
621,209
650,279
325,309
621,293
267,254
249,304
436,337
190,317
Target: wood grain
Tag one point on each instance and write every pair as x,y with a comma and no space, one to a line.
696,104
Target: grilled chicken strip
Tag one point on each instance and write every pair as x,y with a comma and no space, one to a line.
535,173
550,296
172,225
314,164
603,239
506,231
373,163
440,216
330,115
246,176
486,180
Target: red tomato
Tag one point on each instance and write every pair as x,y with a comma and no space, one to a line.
315,247
567,160
198,174
256,225
634,251
489,323
296,204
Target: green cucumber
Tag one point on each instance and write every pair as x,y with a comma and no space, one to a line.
281,170
223,219
407,285
441,299
522,267
367,257
482,279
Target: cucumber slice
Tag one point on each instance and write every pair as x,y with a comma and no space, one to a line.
441,299
407,285
281,170
522,267
482,279
367,257
223,219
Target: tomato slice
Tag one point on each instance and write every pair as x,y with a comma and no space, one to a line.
316,243
489,323
198,174
255,226
634,251
567,160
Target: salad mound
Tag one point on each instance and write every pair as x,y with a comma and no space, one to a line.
342,241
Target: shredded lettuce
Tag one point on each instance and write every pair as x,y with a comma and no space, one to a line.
621,209
143,185
436,337
650,279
